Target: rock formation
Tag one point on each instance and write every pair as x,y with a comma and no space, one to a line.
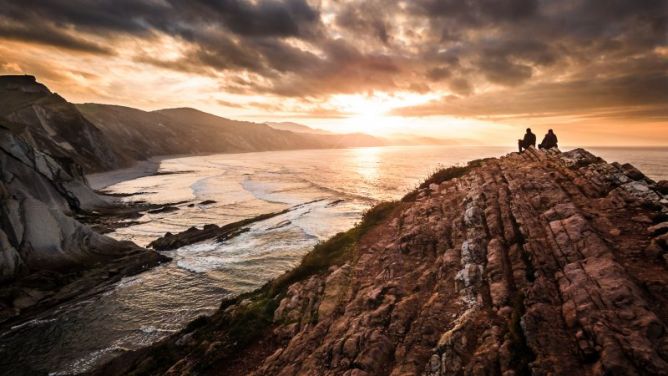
56,126
42,247
536,263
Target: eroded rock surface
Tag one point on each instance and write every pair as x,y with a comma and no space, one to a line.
43,248
534,263
56,126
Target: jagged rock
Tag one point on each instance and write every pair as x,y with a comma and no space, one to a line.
210,231
528,264
39,195
658,229
56,126
662,187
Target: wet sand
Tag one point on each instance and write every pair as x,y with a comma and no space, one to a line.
102,180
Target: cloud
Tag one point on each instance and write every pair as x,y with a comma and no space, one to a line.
48,35
640,96
561,57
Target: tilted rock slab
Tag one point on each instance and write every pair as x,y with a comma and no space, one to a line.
537,263
40,241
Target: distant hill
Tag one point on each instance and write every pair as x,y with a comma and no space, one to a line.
102,137
364,139
188,131
340,140
411,139
295,127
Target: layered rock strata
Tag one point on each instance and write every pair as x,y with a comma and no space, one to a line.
43,248
56,126
536,263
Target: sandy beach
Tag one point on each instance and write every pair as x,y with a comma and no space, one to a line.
105,179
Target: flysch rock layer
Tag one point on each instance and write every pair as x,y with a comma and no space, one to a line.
541,263
46,256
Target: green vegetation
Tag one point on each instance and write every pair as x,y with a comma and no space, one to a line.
254,311
442,175
335,251
251,320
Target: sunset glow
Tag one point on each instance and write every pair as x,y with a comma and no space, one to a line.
445,69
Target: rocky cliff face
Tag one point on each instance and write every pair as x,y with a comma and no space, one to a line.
541,263
42,246
56,126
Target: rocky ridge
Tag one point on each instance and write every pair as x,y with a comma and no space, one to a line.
46,255
535,263
56,126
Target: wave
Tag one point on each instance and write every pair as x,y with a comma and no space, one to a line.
31,323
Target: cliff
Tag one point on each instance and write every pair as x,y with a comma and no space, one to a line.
46,255
542,263
56,126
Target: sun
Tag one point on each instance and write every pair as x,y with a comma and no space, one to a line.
370,113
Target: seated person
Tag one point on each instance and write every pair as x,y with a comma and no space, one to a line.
549,141
528,140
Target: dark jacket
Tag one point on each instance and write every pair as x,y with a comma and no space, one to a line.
549,141
529,139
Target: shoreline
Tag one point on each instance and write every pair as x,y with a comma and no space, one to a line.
101,180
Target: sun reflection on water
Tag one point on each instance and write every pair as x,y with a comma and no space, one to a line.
367,162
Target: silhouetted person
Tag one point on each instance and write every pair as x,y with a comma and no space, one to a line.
549,141
528,140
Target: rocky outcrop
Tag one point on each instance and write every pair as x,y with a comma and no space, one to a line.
42,247
535,263
211,231
56,126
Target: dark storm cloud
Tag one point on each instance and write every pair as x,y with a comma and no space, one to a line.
535,51
260,18
277,18
99,17
644,96
438,73
48,35
475,12
366,18
502,71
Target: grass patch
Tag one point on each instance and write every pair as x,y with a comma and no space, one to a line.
443,175
251,321
335,251
255,310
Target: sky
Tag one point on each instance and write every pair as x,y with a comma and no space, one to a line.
595,71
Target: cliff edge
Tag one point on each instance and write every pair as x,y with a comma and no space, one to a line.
46,255
534,263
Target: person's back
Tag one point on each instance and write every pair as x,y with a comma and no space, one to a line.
528,140
549,141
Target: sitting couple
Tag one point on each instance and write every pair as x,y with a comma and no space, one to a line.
549,141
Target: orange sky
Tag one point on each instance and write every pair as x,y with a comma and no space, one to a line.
480,70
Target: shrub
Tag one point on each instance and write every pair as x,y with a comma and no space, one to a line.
442,175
